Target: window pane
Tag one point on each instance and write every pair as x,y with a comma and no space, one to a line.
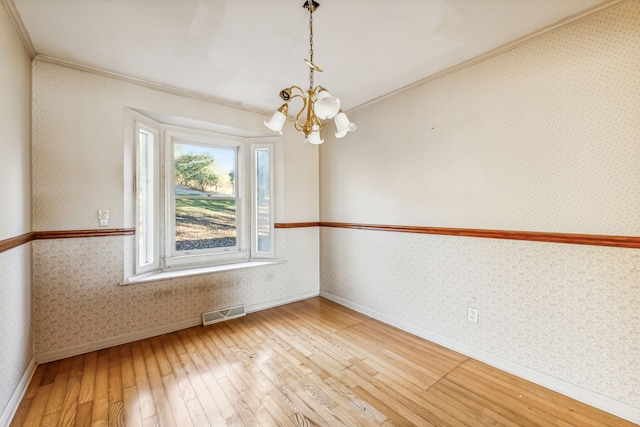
145,184
263,200
204,170
205,224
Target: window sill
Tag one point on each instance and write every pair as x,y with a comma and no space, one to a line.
194,271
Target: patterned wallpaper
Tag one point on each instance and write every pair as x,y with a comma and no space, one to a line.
543,138
16,339
77,299
570,311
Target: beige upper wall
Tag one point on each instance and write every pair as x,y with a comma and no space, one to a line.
301,166
544,137
78,140
15,131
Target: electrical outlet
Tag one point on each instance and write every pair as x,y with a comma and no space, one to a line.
472,314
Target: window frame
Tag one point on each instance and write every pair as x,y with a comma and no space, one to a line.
163,212
174,258
152,242
254,196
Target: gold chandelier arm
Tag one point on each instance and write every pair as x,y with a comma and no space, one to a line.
314,119
298,125
299,89
290,94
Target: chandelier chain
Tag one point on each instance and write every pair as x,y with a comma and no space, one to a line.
311,43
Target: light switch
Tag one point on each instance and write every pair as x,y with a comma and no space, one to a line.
103,217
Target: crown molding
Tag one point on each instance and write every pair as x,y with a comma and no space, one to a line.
563,23
14,15
145,83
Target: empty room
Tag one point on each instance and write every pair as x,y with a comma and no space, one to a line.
331,213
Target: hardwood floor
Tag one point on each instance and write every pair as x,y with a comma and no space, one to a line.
304,364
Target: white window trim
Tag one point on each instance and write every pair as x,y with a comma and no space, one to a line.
254,195
172,258
247,256
177,273
152,130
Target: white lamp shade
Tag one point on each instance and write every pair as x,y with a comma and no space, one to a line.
314,138
343,125
276,122
326,105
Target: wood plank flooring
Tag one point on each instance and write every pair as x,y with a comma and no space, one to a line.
311,363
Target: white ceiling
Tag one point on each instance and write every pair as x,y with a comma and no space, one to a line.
246,51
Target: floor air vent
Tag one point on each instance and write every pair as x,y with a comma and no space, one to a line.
222,315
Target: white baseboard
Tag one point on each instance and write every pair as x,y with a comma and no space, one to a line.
121,339
165,329
589,397
280,301
17,395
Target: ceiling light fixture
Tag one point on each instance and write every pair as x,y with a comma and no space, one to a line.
318,103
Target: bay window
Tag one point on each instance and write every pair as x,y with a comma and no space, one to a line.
201,198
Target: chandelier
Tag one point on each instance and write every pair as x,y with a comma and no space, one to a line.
317,103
